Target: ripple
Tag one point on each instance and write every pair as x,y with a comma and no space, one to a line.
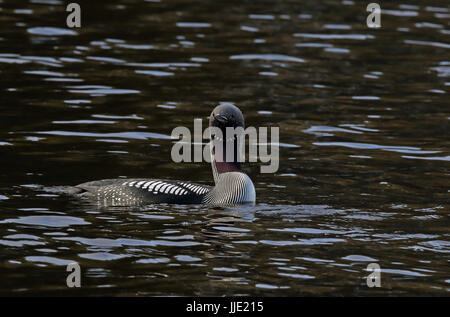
249,29
45,250
359,258
106,59
309,231
187,258
400,13
48,2
337,50
122,135
22,236
137,46
225,269
321,130
84,122
427,43
65,80
102,256
335,36
361,156
23,11
268,74
120,242
193,25
50,31
101,90
436,9
437,91
428,25
315,260
44,73
49,259
293,275
12,60
153,216
154,73
245,242
319,45
429,158
153,260
365,97
71,60
279,144
113,141
281,242
359,127
443,70
268,57
182,237
337,26
164,65
266,286
320,241
19,244
403,272
77,101
48,221
305,16
369,146
166,106
441,246
261,17
200,59
105,116
230,229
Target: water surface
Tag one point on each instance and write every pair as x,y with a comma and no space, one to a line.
364,157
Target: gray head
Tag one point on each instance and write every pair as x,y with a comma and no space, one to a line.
226,115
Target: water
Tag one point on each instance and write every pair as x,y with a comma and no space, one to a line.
364,158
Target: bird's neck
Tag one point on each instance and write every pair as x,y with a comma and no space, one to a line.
223,163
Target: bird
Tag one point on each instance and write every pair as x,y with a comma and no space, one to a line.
232,186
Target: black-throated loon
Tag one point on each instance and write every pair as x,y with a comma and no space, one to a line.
232,186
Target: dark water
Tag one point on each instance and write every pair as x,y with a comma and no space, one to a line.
364,157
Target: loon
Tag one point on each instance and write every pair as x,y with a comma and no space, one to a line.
232,186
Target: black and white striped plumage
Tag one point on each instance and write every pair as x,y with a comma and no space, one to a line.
232,186
132,192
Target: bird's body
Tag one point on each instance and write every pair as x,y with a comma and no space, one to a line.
232,186
140,191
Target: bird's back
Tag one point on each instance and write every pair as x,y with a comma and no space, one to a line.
132,192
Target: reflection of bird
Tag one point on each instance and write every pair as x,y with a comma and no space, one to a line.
226,223
232,186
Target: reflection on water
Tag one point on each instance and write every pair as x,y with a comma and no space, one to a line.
364,146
